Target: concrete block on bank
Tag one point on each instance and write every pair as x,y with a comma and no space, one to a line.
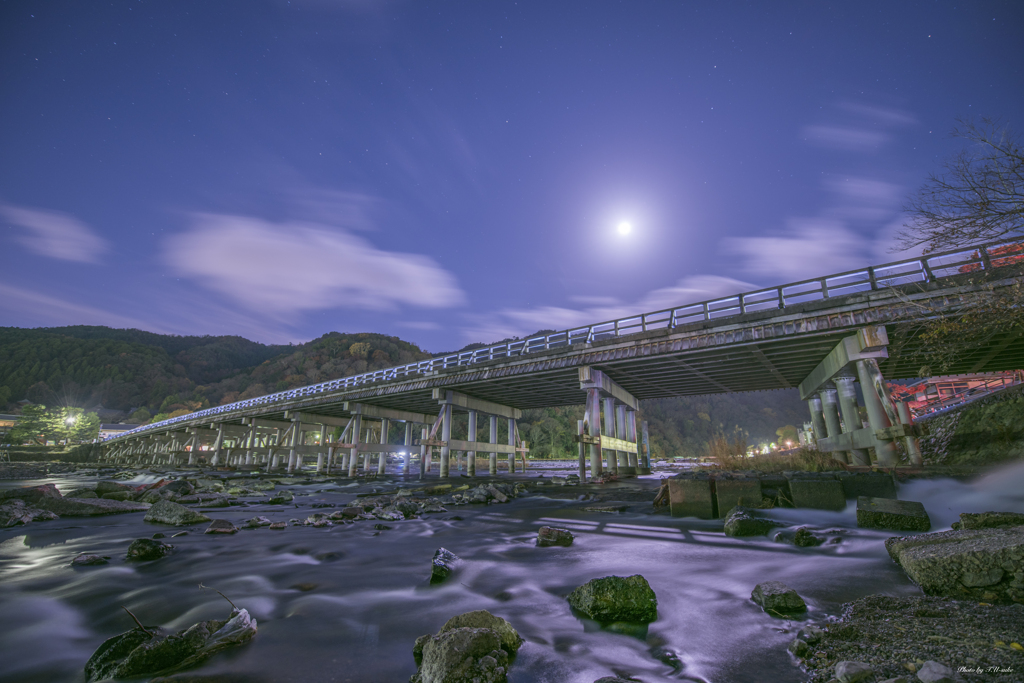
896,515
819,494
729,492
872,484
691,497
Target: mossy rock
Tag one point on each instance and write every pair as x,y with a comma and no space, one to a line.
616,598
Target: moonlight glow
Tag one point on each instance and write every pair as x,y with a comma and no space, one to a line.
625,228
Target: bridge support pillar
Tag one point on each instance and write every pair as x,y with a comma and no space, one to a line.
408,449
218,445
593,424
609,430
911,442
471,455
426,452
492,465
627,460
382,461
881,413
446,436
580,431
817,418
830,410
512,443
847,395
353,453
646,446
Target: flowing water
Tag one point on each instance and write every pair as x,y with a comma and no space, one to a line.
345,604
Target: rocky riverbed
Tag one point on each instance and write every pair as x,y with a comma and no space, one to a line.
338,576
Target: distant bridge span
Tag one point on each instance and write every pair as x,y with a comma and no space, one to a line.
819,335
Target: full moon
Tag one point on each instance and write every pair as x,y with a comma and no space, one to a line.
625,228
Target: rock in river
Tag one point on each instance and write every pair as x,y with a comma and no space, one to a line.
549,535
89,507
166,512
221,526
153,651
31,494
147,549
470,648
444,563
988,520
853,672
776,597
747,522
888,513
616,598
978,564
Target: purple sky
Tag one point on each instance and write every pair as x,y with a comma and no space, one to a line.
450,172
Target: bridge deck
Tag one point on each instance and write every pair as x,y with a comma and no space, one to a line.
749,347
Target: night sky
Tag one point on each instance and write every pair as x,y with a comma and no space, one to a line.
453,172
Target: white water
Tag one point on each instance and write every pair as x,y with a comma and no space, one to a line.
371,598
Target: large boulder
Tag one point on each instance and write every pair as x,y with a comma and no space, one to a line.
462,655
14,512
975,564
166,512
743,521
153,651
988,520
31,494
892,514
474,647
776,597
481,618
89,507
616,598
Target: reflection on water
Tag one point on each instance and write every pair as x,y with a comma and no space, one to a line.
342,604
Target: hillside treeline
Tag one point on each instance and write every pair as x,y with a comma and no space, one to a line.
140,376
145,374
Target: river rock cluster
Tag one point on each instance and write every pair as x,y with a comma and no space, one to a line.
475,647
915,638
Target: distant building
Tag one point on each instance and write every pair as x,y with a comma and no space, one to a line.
109,430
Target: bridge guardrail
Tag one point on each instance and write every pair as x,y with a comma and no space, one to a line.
922,269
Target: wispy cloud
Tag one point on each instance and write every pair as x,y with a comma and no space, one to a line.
53,234
845,138
513,322
864,199
278,269
807,248
885,115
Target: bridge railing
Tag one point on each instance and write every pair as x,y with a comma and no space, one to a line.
922,269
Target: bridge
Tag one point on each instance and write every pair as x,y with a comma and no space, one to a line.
822,335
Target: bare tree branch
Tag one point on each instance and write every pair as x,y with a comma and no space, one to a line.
979,196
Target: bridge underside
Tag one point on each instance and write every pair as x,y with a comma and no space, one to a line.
759,351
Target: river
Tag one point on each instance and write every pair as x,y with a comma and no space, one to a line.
345,603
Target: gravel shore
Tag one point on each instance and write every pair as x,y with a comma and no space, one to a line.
896,636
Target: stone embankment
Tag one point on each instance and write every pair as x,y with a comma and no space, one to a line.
986,431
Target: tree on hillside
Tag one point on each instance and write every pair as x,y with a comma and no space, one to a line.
977,197
39,424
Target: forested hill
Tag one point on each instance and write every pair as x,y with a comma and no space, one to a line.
124,370
140,376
